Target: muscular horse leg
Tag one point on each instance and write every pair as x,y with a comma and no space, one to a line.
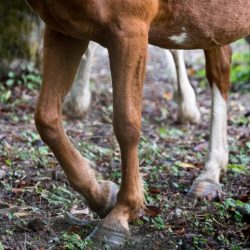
62,55
77,101
218,62
127,60
187,107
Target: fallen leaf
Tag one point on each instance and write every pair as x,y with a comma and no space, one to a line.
184,165
168,96
154,190
152,211
21,214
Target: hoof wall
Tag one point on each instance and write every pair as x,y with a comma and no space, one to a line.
205,189
103,236
111,190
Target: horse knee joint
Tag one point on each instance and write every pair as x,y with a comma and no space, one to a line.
47,125
128,132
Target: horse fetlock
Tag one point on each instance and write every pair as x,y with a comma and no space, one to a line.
218,160
101,197
189,113
131,205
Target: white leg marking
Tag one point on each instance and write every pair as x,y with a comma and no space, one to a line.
77,102
218,149
187,108
171,69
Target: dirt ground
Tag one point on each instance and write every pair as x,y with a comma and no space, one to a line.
36,202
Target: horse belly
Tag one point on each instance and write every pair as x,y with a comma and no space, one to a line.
200,24
75,18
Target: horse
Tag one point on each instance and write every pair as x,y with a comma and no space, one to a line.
125,27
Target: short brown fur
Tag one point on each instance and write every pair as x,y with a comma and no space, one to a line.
125,27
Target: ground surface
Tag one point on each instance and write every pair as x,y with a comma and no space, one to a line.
35,197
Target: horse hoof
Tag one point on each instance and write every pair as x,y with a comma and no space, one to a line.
205,189
102,237
110,190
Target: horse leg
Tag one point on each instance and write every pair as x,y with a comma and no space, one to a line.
127,51
207,184
62,55
77,101
187,107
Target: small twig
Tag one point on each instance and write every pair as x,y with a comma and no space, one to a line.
219,223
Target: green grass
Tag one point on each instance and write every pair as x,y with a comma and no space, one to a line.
240,69
240,72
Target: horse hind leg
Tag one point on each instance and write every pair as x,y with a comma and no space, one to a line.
207,184
77,101
186,99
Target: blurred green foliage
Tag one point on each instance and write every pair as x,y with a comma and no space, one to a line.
15,24
240,67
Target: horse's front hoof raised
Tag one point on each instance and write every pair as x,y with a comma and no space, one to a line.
103,236
205,189
110,190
